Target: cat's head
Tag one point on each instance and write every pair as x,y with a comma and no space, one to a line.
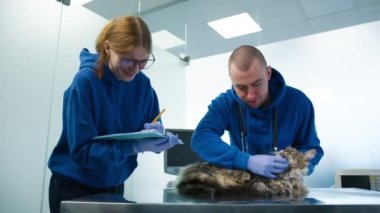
298,160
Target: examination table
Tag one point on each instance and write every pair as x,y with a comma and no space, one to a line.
319,200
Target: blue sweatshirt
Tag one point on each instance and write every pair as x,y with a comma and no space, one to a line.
296,126
93,107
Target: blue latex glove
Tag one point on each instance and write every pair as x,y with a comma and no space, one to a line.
156,125
267,165
156,145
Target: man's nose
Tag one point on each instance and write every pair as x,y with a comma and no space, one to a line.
251,93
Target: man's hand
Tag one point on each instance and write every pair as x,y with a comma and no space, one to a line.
267,165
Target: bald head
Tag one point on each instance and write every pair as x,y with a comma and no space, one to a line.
243,56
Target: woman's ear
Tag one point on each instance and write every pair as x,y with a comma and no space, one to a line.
107,46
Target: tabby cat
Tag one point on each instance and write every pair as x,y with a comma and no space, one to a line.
204,180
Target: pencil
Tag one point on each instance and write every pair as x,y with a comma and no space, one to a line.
158,116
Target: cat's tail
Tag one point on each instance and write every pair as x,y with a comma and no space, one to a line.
194,180
195,189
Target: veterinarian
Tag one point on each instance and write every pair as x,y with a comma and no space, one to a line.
108,95
262,115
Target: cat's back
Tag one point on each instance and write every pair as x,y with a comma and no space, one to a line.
205,180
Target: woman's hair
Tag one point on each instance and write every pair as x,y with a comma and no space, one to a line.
244,55
123,34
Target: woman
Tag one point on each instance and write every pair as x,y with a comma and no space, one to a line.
108,95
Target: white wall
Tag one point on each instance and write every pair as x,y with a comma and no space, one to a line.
28,43
338,70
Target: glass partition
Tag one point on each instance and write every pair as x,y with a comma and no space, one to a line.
29,43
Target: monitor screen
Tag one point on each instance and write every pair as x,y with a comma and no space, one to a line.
358,178
357,181
180,155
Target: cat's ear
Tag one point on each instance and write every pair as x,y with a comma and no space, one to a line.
310,154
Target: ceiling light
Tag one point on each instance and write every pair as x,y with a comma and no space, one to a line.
165,40
234,26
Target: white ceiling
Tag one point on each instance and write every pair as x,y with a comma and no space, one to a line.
279,19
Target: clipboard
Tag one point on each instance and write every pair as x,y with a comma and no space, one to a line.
131,135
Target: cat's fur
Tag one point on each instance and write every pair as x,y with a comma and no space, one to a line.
209,181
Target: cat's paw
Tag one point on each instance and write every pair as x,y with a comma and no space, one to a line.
260,187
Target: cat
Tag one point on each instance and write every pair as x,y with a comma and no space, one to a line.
204,180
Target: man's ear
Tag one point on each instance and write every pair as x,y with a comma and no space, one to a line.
269,71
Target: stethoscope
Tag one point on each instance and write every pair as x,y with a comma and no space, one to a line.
243,130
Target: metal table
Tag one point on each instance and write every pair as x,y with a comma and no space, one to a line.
318,200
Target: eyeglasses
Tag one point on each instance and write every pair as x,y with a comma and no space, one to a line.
143,64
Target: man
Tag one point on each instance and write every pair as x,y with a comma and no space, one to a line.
262,115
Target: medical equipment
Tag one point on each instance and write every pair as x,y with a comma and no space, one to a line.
243,130
358,178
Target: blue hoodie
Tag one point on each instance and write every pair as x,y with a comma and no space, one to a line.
296,126
93,107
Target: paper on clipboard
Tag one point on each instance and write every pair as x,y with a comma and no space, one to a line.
131,135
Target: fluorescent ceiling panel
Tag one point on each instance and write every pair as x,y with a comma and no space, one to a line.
165,40
80,2
234,26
